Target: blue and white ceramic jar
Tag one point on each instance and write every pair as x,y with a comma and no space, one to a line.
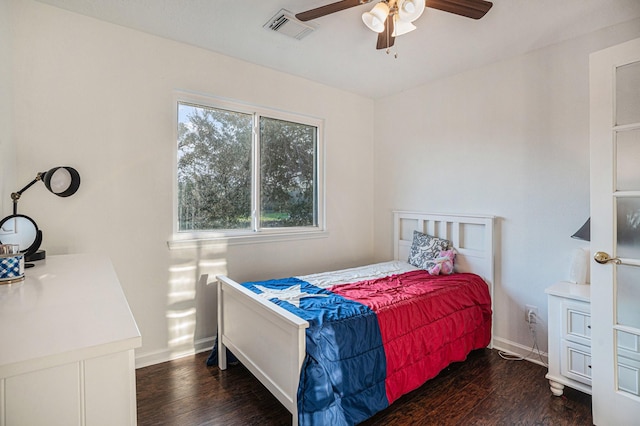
11,264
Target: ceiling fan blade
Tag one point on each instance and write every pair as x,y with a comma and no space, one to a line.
474,9
385,39
329,9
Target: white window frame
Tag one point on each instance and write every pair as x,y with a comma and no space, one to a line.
189,239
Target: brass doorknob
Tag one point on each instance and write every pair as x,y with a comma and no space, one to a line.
604,258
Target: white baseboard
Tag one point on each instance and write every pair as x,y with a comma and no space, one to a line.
164,355
206,344
522,351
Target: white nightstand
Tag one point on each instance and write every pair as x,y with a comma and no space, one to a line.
569,337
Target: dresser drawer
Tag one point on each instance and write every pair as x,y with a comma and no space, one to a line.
576,322
575,362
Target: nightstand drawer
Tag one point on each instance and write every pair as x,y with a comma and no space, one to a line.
575,362
576,320
569,337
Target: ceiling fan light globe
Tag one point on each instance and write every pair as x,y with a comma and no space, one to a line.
402,27
410,10
373,23
408,7
376,18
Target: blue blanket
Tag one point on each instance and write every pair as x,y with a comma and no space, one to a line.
342,381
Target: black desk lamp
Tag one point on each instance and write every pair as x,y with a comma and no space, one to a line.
22,230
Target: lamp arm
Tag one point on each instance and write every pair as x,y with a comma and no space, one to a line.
15,196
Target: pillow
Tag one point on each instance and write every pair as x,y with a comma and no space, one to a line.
443,264
425,248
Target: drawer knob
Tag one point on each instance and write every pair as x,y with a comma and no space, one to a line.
589,366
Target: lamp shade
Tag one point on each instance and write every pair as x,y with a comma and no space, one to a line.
584,233
376,18
410,10
62,181
401,27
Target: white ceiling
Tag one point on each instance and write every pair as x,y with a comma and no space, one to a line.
341,51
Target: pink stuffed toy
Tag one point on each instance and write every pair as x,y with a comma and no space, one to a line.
443,264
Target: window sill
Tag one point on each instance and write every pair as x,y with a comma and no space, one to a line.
188,241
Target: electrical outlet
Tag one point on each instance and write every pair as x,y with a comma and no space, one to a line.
531,309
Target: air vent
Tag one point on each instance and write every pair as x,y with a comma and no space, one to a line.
285,23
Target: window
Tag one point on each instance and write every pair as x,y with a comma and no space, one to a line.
246,171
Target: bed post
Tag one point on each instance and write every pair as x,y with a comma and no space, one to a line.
222,349
266,338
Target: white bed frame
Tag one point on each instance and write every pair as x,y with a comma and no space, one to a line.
270,341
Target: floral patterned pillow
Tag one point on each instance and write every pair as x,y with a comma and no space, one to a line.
425,248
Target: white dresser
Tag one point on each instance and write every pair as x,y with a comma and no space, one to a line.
67,339
569,337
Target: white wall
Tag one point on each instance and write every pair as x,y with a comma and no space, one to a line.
510,139
98,97
7,145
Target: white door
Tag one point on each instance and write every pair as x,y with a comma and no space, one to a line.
615,234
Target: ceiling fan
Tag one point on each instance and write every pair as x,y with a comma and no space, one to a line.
391,18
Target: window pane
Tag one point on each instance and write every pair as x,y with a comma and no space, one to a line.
627,294
288,174
627,160
628,224
628,94
214,168
628,246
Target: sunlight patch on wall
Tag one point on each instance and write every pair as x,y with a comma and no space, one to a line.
191,310
182,325
181,307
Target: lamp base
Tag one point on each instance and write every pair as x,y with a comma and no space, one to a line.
38,255
579,264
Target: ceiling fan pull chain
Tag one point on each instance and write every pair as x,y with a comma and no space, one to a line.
388,31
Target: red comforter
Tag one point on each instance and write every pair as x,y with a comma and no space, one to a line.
426,322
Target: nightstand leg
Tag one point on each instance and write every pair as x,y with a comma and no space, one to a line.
557,389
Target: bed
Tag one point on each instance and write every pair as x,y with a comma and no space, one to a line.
343,365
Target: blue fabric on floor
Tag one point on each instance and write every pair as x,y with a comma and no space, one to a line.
213,357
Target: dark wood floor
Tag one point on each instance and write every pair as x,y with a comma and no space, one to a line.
483,390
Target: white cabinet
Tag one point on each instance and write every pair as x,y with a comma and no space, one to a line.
67,339
569,337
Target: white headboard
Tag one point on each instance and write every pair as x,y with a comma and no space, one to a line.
472,237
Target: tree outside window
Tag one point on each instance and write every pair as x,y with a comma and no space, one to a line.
231,178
